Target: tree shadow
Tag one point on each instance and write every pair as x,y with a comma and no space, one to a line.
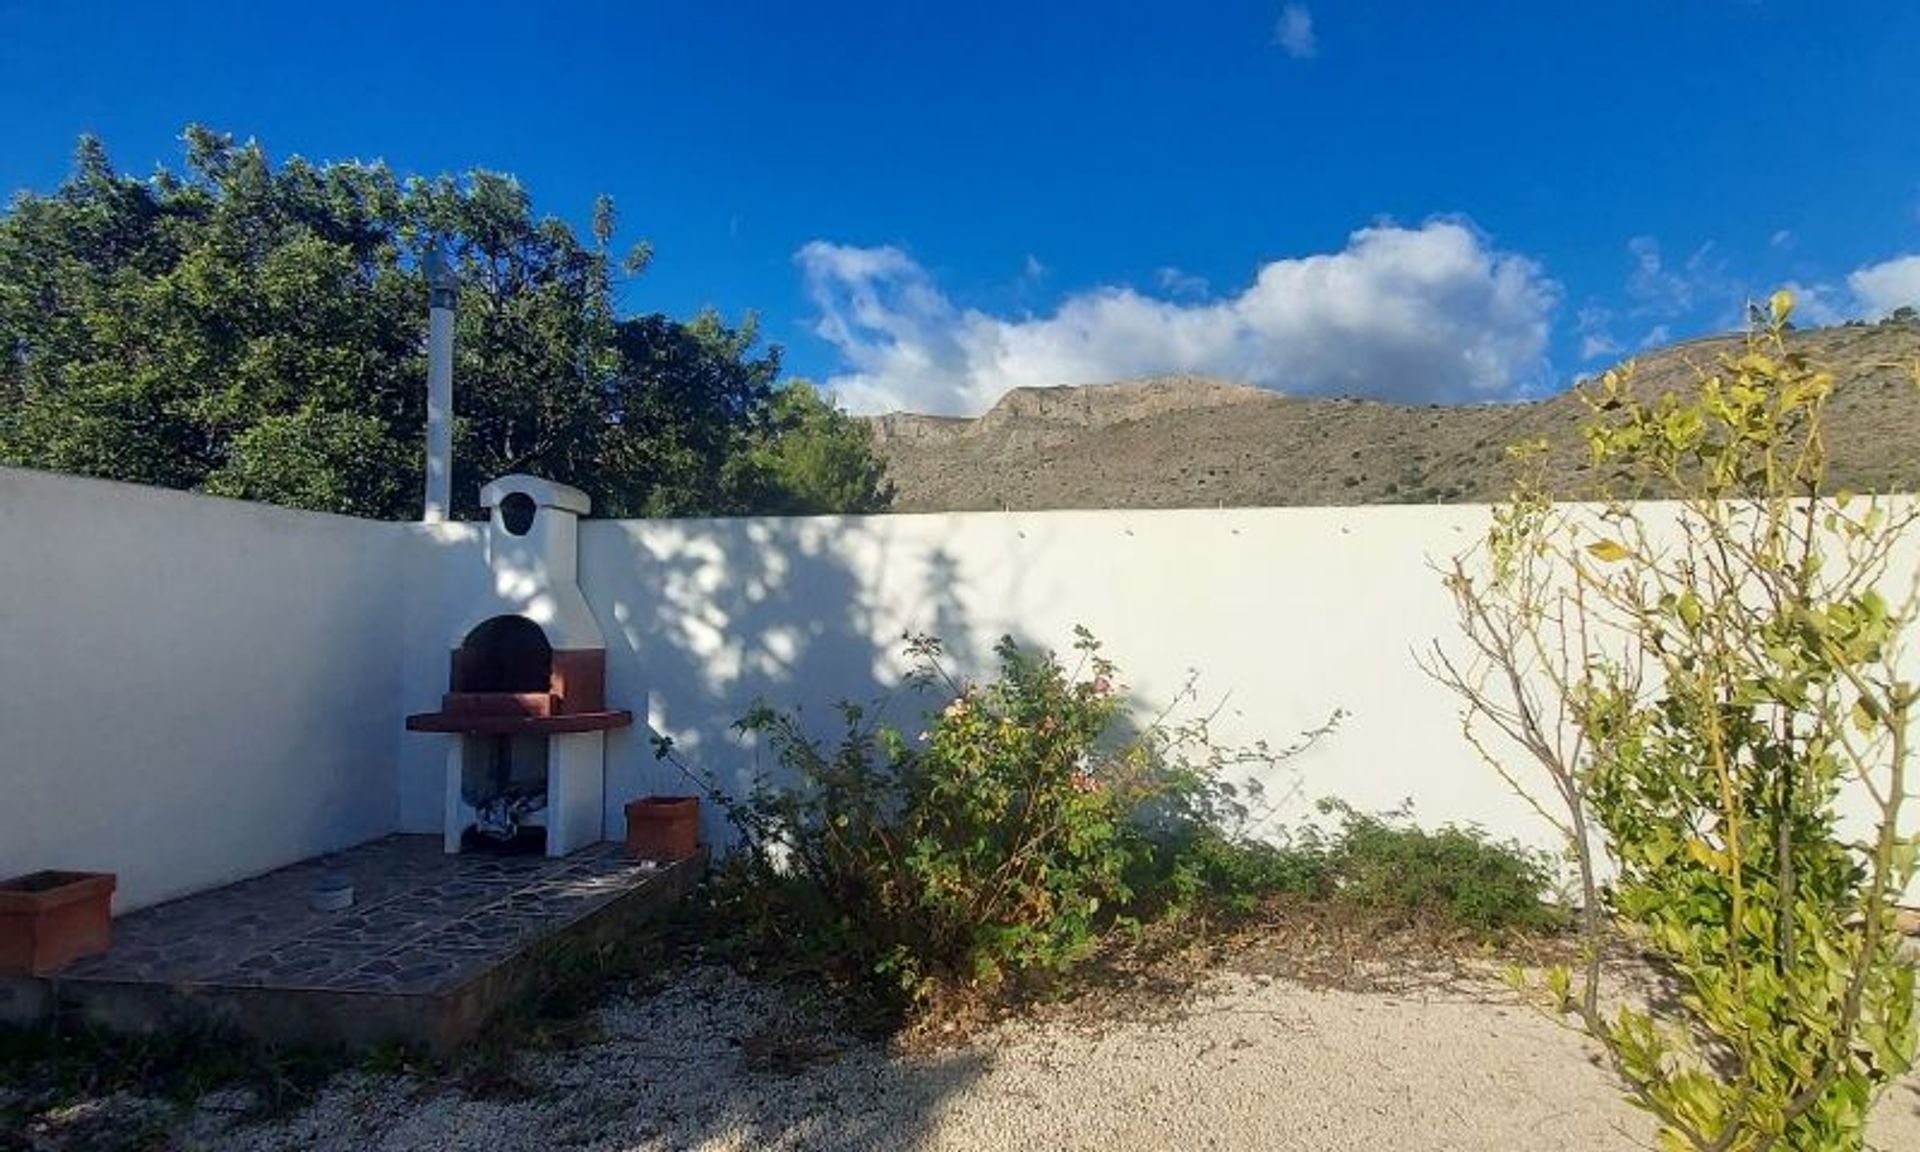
704,617
757,610
701,620
708,1060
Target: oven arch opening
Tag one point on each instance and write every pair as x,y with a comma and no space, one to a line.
504,654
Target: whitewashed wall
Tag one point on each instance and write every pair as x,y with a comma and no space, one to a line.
1284,615
192,690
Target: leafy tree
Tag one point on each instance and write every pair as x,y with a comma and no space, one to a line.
1696,696
687,404
259,332
148,322
819,458
532,336
316,458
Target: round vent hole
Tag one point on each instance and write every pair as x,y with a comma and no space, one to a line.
516,513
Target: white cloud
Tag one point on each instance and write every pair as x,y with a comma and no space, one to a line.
1700,293
1293,32
1593,347
1703,296
1880,288
1871,291
1594,324
1665,292
1653,286
1033,271
1175,282
1412,314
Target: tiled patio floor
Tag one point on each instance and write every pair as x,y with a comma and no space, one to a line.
424,926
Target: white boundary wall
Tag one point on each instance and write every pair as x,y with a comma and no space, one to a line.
192,690
1284,615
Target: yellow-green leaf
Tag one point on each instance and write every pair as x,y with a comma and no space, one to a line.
1782,304
1609,551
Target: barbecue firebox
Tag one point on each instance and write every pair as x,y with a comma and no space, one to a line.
526,696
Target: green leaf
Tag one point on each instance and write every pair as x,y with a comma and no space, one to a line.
1609,551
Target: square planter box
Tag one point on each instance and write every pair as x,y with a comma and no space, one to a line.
50,918
663,828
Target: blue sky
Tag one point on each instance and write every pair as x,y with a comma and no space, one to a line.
929,205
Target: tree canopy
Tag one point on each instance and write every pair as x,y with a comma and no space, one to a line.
259,331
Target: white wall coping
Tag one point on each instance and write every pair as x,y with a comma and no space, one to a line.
543,492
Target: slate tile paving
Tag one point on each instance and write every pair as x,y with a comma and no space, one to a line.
422,921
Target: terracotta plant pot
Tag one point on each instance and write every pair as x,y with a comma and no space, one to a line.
663,827
50,918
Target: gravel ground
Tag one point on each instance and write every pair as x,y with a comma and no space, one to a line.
1251,1062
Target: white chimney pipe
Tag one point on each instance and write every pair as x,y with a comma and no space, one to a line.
442,289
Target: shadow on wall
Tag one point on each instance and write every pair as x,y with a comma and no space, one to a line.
700,619
703,618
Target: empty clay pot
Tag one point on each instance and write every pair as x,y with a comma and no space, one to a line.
50,918
663,827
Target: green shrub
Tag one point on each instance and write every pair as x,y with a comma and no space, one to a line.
1454,876
1384,867
1688,701
1213,874
996,849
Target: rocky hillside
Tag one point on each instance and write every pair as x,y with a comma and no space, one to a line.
1183,441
